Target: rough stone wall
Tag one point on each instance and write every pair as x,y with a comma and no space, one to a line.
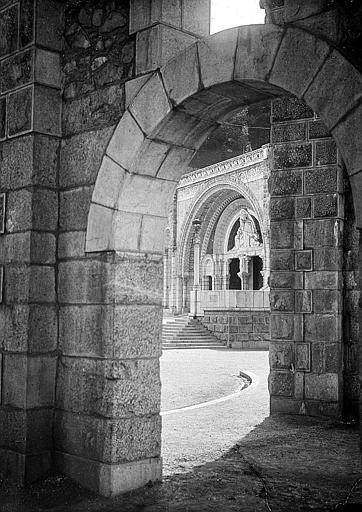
243,330
108,383
339,21
351,309
30,107
306,212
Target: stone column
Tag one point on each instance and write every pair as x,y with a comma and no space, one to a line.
166,283
225,275
183,282
306,246
107,427
30,107
244,272
195,299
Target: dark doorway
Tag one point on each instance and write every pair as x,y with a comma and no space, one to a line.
257,268
234,279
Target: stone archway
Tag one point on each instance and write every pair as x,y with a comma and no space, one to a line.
208,204
169,113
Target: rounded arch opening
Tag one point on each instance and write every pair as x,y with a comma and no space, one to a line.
152,146
170,115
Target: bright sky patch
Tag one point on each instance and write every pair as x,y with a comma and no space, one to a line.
232,13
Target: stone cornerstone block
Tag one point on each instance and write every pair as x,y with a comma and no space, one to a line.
111,441
109,388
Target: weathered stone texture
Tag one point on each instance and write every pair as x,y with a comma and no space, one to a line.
286,183
138,282
282,260
351,311
113,441
29,160
23,431
74,207
26,22
294,155
137,331
19,110
243,330
99,109
109,388
281,383
30,328
29,381
288,132
16,71
290,108
85,282
313,293
325,152
81,157
282,208
86,330
9,30
98,59
71,244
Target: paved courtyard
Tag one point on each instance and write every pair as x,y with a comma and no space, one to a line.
190,378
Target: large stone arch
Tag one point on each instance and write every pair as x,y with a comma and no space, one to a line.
176,107
169,114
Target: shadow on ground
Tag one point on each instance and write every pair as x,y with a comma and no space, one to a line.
286,463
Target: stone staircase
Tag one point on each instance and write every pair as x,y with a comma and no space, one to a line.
185,332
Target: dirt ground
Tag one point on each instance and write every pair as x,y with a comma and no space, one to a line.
229,456
285,464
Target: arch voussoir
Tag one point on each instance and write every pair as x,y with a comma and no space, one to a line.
348,134
299,58
256,51
330,102
181,75
125,143
217,57
151,104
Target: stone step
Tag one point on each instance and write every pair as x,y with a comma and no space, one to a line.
191,333
194,341
186,332
173,346
188,335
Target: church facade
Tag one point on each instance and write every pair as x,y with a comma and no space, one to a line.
217,253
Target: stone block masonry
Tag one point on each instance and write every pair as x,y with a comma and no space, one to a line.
78,328
30,126
108,374
248,330
307,225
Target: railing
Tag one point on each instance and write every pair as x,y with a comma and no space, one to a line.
235,299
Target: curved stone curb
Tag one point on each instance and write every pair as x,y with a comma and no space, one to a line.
249,376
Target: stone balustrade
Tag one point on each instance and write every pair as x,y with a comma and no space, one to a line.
256,300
